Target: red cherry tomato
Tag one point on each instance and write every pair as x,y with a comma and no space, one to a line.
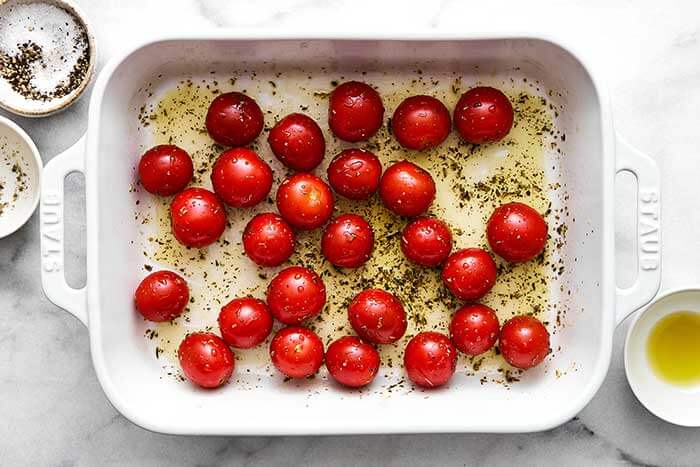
198,217
516,232
352,362
162,296
245,322
421,122
165,170
430,359
296,294
305,201
483,115
377,316
234,119
524,342
268,240
298,142
474,329
355,111
347,241
406,189
426,241
205,359
469,273
355,173
240,178
296,352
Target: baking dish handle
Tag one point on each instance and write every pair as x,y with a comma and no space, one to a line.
53,278
648,279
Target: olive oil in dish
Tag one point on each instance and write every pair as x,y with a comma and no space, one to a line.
673,348
471,180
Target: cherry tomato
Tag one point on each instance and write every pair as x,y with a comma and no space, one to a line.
305,201
524,342
347,241
483,115
355,111
406,189
298,142
516,232
352,362
474,329
234,119
268,240
426,241
296,352
198,217
421,122
162,296
377,316
240,178
245,322
205,359
165,170
296,294
430,359
355,173
469,273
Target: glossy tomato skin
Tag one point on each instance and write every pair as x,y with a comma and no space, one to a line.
298,142
352,362
377,316
430,359
524,342
268,240
165,170
483,115
355,111
474,329
305,201
245,322
296,352
469,273
197,217
421,122
296,294
355,173
406,189
347,241
205,359
426,241
162,296
240,178
516,232
234,119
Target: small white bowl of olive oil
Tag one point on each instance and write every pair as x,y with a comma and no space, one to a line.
662,357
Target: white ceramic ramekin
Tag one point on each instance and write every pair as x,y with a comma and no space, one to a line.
53,106
20,176
675,404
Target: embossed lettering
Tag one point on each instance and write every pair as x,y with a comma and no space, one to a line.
649,230
51,199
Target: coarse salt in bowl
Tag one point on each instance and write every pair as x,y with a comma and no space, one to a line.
47,56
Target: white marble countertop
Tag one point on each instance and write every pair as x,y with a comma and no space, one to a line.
52,409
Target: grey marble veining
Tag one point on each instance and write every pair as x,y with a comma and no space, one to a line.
52,410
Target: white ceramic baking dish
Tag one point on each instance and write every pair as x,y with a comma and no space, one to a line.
133,382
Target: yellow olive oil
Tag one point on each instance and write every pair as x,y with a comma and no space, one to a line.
471,181
673,348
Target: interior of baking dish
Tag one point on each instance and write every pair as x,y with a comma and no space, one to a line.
159,94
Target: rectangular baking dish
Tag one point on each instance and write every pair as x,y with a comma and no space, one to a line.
134,382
